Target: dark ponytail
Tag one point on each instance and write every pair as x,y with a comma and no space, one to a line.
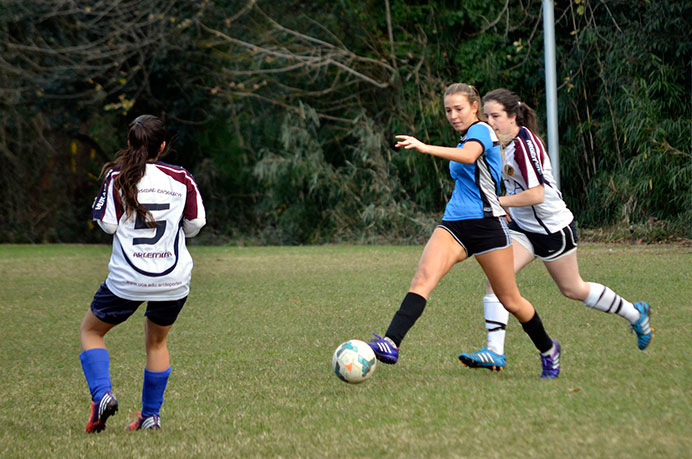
145,137
511,104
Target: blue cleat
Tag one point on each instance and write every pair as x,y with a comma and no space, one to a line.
642,327
483,359
385,349
551,363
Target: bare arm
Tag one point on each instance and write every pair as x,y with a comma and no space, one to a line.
530,197
467,154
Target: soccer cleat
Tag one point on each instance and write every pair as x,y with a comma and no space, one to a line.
551,363
152,422
642,327
483,359
100,412
385,349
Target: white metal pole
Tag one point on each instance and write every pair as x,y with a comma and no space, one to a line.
551,87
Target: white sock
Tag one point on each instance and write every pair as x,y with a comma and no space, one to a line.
604,299
389,340
496,317
549,351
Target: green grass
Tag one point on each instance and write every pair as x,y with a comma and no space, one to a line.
252,348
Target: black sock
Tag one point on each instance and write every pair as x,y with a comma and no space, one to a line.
534,328
409,311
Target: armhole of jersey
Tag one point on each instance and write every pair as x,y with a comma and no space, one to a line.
483,152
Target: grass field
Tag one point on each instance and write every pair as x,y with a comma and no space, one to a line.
251,356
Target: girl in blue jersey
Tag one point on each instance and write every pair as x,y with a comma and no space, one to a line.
473,224
541,226
150,208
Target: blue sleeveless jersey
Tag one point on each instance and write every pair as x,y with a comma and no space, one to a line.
477,185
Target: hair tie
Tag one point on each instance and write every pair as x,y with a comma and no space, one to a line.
518,103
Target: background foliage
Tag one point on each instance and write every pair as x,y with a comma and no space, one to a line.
285,113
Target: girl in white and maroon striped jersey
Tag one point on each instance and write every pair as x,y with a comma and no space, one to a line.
541,226
150,208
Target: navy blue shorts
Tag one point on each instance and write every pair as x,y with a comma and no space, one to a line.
479,235
115,310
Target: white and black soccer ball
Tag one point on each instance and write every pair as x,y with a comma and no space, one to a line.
354,361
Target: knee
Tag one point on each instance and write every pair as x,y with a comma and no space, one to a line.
92,326
85,329
155,340
574,292
156,344
511,303
421,279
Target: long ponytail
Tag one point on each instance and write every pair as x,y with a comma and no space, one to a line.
145,137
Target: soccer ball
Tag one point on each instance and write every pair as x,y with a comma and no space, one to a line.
354,361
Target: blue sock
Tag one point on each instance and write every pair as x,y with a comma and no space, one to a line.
95,364
152,391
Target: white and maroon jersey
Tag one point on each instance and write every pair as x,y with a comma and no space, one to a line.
151,263
526,165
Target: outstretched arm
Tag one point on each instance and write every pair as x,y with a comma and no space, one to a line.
466,154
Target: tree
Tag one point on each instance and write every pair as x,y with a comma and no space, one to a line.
285,112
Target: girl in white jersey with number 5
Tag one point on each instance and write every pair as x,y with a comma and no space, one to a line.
541,226
150,208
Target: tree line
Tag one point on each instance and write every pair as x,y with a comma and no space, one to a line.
285,112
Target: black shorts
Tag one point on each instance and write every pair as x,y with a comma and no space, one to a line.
479,235
548,247
115,310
